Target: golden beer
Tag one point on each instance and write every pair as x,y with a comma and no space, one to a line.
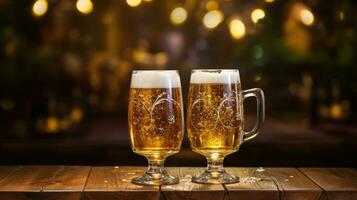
155,121
214,120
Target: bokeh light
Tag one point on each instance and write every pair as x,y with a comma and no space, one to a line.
161,59
76,114
6,104
40,7
336,111
341,15
306,17
84,6
257,77
269,1
212,19
257,15
133,3
178,15
212,5
237,29
52,124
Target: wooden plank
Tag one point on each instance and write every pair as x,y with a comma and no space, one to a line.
33,182
337,183
188,190
65,178
41,195
292,184
115,183
252,185
6,171
23,179
68,182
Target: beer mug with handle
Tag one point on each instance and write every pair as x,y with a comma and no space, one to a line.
215,119
155,121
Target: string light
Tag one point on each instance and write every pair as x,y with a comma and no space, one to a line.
178,15
84,6
306,17
257,15
212,19
40,7
237,29
133,3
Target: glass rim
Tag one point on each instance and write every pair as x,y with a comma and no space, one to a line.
155,70
215,70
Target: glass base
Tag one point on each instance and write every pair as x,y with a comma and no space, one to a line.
215,178
155,179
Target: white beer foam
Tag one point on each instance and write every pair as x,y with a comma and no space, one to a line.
215,76
155,79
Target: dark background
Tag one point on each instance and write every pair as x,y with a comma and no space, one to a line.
64,76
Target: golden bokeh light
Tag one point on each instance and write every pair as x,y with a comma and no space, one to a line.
341,15
257,77
237,29
84,6
306,17
257,15
161,59
212,19
178,15
212,5
76,114
269,1
133,3
52,124
336,111
40,7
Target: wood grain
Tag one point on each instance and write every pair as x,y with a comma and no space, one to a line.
43,182
86,183
188,190
337,183
41,196
115,183
252,185
292,184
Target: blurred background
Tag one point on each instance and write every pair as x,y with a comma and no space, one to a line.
65,68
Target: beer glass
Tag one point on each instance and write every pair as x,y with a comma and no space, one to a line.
215,120
155,121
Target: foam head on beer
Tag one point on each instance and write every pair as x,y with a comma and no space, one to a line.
215,76
155,79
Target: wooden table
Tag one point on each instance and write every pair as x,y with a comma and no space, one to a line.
85,182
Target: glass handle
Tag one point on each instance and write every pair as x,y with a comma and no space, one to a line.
259,95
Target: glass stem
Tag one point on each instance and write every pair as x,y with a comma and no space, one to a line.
156,169
215,165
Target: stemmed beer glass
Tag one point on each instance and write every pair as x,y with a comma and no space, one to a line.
155,121
215,120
